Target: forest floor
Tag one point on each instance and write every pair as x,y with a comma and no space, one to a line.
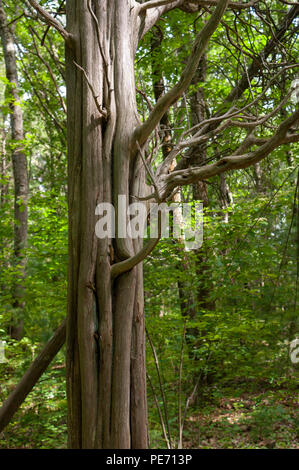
230,417
269,419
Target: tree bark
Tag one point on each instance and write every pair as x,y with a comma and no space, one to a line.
19,163
105,327
4,183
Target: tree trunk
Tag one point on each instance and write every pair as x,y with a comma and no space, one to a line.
106,379
3,167
19,163
198,156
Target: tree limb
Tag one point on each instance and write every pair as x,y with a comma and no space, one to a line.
51,21
254,70
128,264
149,17
148,170
233,5
143,132
233,162
152,11
154,4
257,64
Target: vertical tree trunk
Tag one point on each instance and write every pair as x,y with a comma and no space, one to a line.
105,327
226,197
198,157
159,88
3,166
19,173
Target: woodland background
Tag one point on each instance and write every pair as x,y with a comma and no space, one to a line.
219,320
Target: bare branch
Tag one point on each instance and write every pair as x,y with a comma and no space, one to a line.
160,384
206,129
207,125
149,17
159,410
164,167
257,65
154,4
47,30
128,264
233,162
42,101
143,132
51,21
47,65
233,5
152,10
262,119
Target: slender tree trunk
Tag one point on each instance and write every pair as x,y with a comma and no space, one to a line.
19,173
186,296
159,88
226,197
198,157
3,167
105,327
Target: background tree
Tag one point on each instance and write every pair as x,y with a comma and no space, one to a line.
21,188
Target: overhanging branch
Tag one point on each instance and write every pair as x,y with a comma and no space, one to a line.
143,132
51,21
233,162
233,5
155,4
253,71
